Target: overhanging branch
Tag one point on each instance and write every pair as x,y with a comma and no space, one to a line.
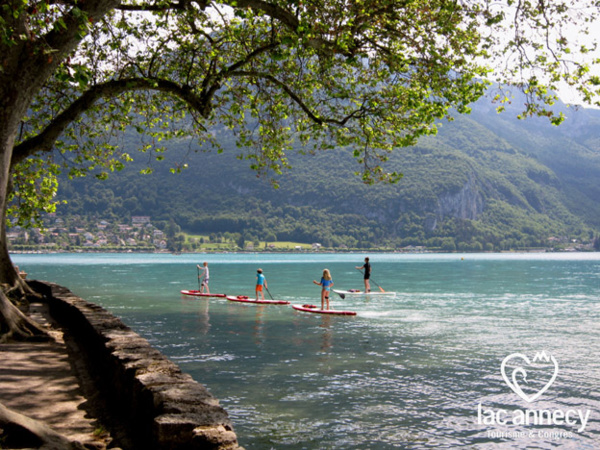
180,5
44,141
296,98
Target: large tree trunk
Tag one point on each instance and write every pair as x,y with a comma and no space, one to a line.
26,64
13,323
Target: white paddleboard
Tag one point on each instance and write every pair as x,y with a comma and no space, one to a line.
357,292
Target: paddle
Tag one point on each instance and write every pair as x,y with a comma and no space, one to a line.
343,296
380,288
269,293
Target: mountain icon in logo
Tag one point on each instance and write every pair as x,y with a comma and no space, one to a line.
541,363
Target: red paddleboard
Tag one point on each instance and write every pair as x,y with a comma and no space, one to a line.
200,294
246,299
314,309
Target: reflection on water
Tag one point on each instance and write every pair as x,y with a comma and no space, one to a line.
409,371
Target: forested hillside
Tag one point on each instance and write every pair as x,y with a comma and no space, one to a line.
486,181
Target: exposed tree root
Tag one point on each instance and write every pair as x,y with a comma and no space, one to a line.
19,431
14,324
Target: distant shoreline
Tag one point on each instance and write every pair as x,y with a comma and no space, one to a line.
288,251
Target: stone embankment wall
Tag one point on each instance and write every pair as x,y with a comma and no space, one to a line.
161,408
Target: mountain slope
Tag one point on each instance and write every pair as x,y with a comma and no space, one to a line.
485,180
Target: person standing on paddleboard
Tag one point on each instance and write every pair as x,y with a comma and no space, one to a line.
367,274
327,283
204,276
260,282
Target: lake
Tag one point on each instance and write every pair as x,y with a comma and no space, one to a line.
475,350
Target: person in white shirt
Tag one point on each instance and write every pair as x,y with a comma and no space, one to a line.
204,276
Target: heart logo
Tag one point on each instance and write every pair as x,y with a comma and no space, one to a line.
513,381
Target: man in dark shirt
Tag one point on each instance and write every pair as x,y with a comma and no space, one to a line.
367,274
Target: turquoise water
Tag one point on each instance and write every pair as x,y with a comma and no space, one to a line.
421,369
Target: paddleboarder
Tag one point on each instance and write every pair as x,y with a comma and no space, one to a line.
326,283
261,282
367,274
204,276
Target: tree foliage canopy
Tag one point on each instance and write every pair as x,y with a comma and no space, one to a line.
370,75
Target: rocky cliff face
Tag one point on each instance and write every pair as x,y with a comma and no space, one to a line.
467,203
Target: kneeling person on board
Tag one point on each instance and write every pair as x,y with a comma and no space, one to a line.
260,282
327,283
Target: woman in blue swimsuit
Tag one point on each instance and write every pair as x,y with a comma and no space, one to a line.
327,283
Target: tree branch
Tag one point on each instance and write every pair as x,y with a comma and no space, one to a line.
45,141
181,5
290,20
63,40
274,11
313,116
